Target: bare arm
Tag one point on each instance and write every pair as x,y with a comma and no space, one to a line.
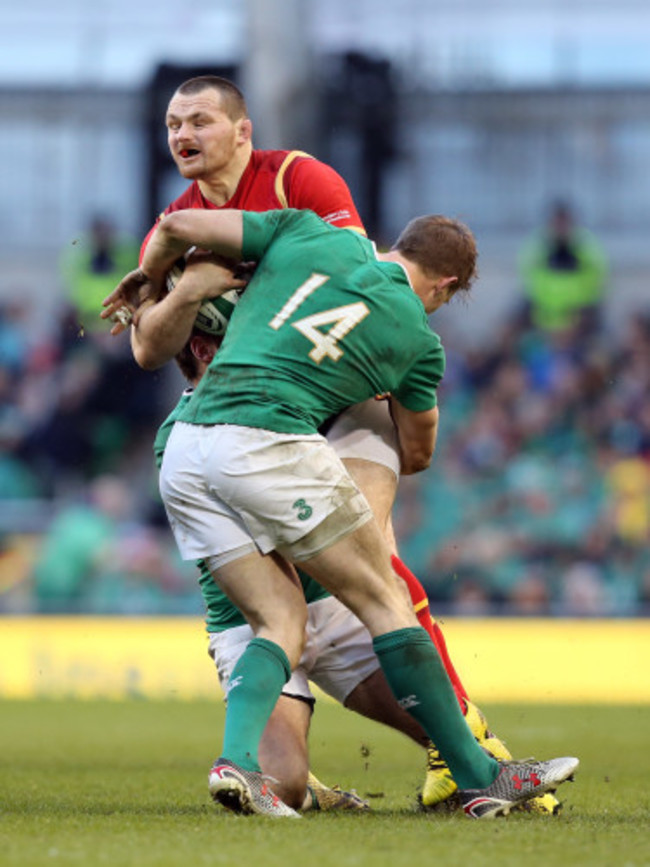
217,231
417,433
161,329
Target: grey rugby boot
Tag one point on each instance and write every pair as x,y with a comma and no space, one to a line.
517,782
245,792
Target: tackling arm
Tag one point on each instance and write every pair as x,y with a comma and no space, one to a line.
219,231
417,433
161,327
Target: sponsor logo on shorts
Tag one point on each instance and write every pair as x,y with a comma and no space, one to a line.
305,511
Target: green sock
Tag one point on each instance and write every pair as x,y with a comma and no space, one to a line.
419,681
253,689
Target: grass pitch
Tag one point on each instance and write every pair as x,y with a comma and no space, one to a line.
93,783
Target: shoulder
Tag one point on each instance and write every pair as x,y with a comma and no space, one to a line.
309,183
278,164
268,159
268,162
191,198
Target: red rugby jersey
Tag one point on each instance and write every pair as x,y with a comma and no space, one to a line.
282,179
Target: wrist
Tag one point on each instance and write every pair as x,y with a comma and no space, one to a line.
192,289
140,277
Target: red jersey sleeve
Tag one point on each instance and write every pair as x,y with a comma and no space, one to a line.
316,186
143,246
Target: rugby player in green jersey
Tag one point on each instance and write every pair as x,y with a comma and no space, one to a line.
337,656
251,487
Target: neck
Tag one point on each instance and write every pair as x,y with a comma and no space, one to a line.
423,286
221,186
413,272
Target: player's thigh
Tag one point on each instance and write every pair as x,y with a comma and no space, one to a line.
357,569
378,484
268,593
364,437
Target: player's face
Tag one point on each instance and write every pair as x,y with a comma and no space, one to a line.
202,139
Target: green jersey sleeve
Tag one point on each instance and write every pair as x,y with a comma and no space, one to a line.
418,390
261,229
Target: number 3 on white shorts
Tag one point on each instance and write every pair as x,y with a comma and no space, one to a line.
344,319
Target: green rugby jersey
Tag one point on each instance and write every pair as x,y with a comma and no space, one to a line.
322,325
220,612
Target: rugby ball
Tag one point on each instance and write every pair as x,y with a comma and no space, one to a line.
214,314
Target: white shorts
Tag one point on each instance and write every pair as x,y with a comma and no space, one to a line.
338,652
366,431
225,486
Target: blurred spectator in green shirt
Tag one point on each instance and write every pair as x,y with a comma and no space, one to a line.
80,539
93,265
563,269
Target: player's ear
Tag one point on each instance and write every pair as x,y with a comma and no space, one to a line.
445,288
203,349
244,130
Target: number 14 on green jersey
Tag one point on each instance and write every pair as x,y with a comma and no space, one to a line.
343,320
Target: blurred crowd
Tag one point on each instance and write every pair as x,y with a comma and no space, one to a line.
81,526
537,502
539,498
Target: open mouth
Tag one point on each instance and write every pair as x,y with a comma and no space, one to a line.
188,152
